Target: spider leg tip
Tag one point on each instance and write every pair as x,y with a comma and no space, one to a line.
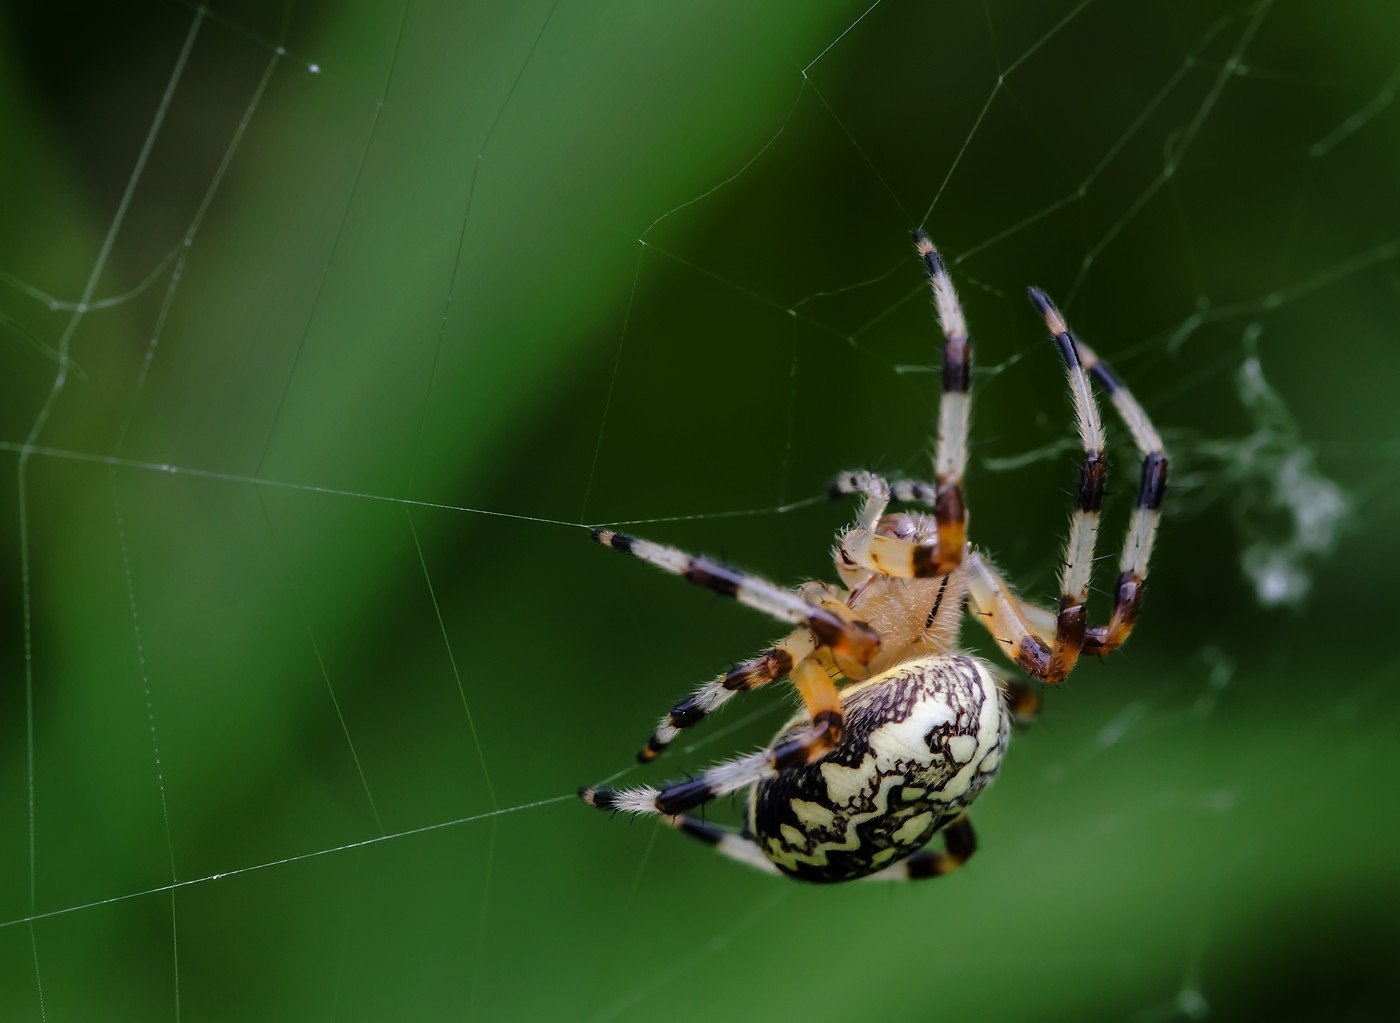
932,260
611,538
600,798
1047,308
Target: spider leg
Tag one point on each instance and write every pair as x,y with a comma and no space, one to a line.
904,491
853,643
954,411
903,558
823,702
1142,529
726,841
774,663
1051,658
1033,634
1024,701
959,843
1022,698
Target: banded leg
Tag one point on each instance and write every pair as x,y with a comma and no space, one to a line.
959,843
906,491
954,411
775,663
1147,515
824,708
1022,698
1011,619
726,841
853,643
892,556
1045,654
999,611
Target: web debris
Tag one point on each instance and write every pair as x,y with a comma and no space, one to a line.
1279,493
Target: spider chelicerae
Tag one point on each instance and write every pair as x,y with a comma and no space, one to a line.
860,782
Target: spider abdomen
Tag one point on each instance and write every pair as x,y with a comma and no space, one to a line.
921,741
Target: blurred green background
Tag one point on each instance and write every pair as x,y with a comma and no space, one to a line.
326,328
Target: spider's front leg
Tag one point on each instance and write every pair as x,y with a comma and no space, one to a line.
1047,644
823,703
1102,640
888,555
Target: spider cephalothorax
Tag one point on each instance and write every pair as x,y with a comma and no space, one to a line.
857,784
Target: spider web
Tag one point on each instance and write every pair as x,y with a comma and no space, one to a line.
327,333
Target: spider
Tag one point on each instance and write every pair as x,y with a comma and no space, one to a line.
857,785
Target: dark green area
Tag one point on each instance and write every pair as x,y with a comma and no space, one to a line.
413,346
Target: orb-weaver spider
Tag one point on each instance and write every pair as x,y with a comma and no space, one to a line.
856,785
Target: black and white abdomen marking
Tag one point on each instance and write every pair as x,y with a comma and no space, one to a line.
921,741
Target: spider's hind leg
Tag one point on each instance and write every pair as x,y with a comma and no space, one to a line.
678,796
959,843
890,556
822,733
725,841
769,666
1023,699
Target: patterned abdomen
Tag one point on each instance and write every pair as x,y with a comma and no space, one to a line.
921,741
